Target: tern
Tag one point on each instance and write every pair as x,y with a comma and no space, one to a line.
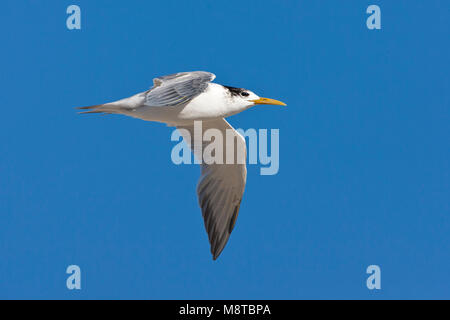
180,100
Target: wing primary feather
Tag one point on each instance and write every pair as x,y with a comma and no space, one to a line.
234,217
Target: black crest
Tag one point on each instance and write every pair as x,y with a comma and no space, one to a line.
235,91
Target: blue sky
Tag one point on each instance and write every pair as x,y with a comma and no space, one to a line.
364,150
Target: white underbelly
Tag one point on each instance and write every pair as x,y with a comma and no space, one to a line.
175,114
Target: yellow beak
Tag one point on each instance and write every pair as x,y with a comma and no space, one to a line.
268,101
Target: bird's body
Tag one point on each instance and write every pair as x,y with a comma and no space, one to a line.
179,100
214,96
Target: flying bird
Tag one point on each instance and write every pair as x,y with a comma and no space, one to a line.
180,100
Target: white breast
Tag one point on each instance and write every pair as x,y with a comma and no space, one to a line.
211,104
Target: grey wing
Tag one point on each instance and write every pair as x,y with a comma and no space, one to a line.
221,186
177,88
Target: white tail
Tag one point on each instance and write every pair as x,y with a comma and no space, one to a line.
121,106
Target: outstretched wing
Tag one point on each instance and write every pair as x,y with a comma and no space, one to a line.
221,185
177,88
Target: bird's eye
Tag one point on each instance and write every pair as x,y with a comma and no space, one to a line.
244,94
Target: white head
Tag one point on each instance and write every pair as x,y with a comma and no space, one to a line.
243,98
